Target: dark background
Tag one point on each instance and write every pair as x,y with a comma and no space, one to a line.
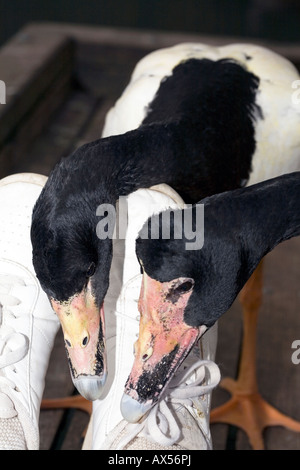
277,20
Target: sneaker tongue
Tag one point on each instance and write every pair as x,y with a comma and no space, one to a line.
7,409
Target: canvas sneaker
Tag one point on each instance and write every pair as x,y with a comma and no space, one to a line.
181,419
28,324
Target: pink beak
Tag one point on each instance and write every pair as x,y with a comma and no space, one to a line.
84,333
164,342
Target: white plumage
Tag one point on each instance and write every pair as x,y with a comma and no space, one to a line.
277,135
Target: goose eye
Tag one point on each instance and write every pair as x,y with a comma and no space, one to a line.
184,287
175,292
91,270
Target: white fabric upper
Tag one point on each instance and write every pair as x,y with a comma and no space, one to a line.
28,324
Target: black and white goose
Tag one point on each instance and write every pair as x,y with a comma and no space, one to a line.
184,292
203,120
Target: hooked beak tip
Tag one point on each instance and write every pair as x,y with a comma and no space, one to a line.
90,386
132,410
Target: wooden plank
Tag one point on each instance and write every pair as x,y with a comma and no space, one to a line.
150,40
36,68
14,152
28,64
58,384
106,69
60,137
95,125
227,357
76,431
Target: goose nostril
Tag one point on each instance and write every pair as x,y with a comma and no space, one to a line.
85,341
147,354
68,343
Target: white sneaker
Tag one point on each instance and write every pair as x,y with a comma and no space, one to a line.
186,404
28,324
180,420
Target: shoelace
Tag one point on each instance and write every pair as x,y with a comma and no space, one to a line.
160,423
8,356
